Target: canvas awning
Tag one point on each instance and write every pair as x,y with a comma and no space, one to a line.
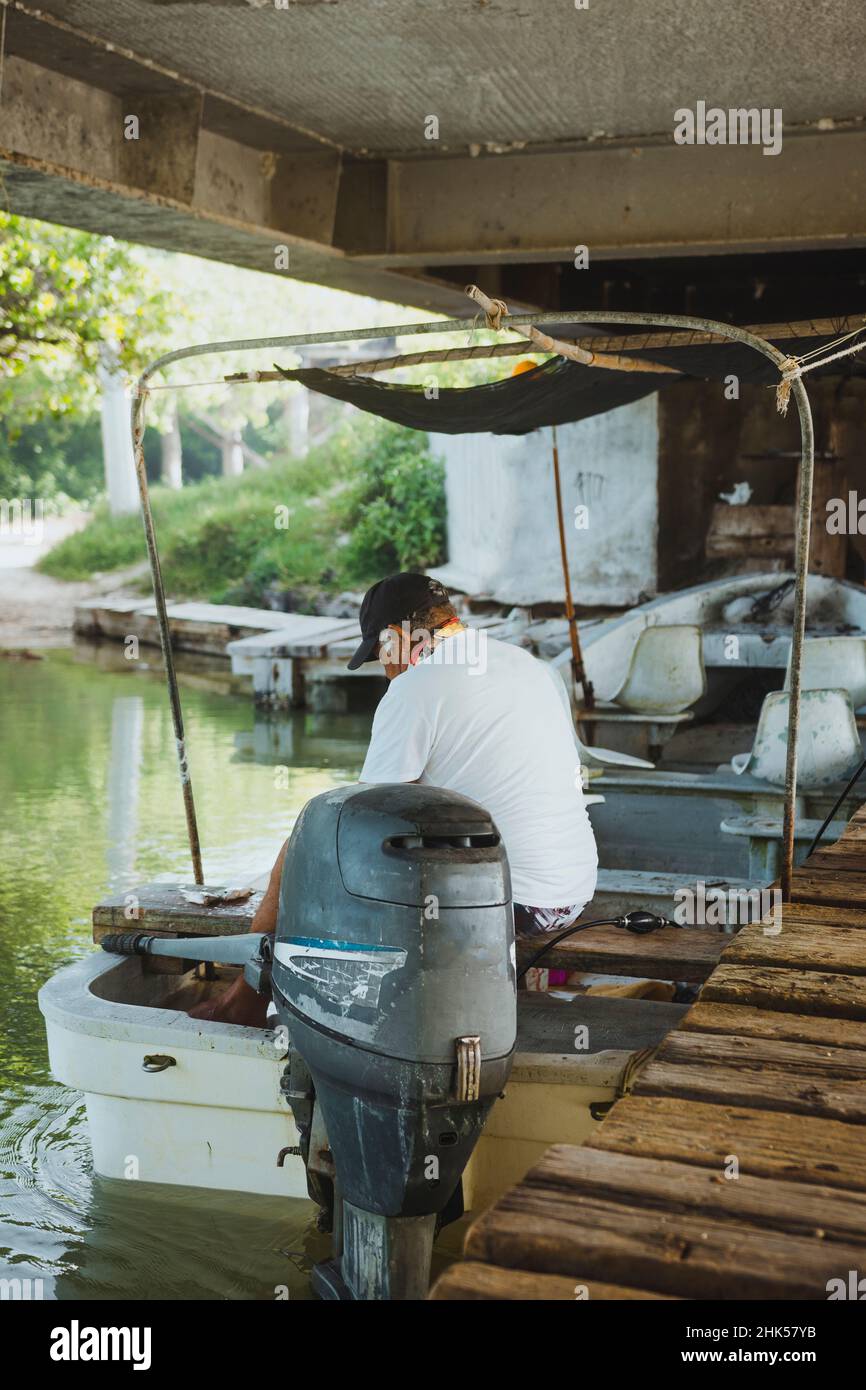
556,393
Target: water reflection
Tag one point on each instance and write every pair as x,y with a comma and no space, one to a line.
89,803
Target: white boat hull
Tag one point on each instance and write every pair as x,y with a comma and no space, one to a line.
216,1118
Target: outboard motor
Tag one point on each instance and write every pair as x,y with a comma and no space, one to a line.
394,974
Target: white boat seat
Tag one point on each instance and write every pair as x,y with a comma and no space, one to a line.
666,672
828,744
837,663
764,834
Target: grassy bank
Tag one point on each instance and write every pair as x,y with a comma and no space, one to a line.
369,501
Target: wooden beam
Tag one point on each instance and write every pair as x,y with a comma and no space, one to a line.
760,1074
788,991
470,1281
765,1144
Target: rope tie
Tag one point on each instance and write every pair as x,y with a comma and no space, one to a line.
494,309
794,367
790,370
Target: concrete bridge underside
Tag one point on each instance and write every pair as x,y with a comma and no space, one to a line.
305,125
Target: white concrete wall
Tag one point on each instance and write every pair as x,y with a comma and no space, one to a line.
502,532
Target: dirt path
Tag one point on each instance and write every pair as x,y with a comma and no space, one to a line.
36,610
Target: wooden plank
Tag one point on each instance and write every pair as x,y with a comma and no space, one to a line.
787,991
749,531
539,1228
162,908
796,1078
840,887
824,914
471,1281
800,946
766,1144
675,953
849,855
828,550
775,1204
704,1017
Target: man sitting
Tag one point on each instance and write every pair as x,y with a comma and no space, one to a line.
473,715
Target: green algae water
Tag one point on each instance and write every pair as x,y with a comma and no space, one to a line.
90,804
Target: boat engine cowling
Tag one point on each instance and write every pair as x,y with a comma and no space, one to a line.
394,975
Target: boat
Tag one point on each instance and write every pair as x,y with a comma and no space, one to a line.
199,1104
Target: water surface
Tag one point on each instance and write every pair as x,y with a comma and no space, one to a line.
89,804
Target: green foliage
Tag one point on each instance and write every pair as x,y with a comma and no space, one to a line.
66,296
66,299
55,458
395,505
369,501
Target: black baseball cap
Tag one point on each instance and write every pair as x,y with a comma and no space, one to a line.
393,600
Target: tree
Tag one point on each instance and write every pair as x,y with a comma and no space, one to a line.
65,296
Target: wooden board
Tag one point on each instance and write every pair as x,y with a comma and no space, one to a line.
161,908
674,953
787,991
800,946
473,1282
847,855
824,914
749,1022
838,886
773,1205
796,1078
766,1144
544,1227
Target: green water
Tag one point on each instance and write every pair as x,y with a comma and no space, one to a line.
89,803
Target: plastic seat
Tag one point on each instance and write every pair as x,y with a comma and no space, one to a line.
666,673
833,663
827,748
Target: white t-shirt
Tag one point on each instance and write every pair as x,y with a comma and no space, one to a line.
488,720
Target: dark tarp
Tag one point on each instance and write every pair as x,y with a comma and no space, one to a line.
557,392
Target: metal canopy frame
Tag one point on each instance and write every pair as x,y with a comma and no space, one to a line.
508,322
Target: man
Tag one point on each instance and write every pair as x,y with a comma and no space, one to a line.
476,716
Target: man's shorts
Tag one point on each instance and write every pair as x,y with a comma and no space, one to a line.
540,921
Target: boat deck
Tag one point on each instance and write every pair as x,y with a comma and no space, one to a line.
735,1167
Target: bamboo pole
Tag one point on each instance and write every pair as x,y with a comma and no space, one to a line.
578,672
164,634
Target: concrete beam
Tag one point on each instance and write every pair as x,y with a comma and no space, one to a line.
64,158
159,151
643,200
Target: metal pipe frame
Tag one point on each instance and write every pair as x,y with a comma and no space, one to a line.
513,322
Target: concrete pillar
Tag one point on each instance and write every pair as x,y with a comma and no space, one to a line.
503,538
233,454
120,480
171,470
297,417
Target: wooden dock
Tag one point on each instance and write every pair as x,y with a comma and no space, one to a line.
293,659
735,1167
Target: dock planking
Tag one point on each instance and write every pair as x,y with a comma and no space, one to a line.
736,1166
